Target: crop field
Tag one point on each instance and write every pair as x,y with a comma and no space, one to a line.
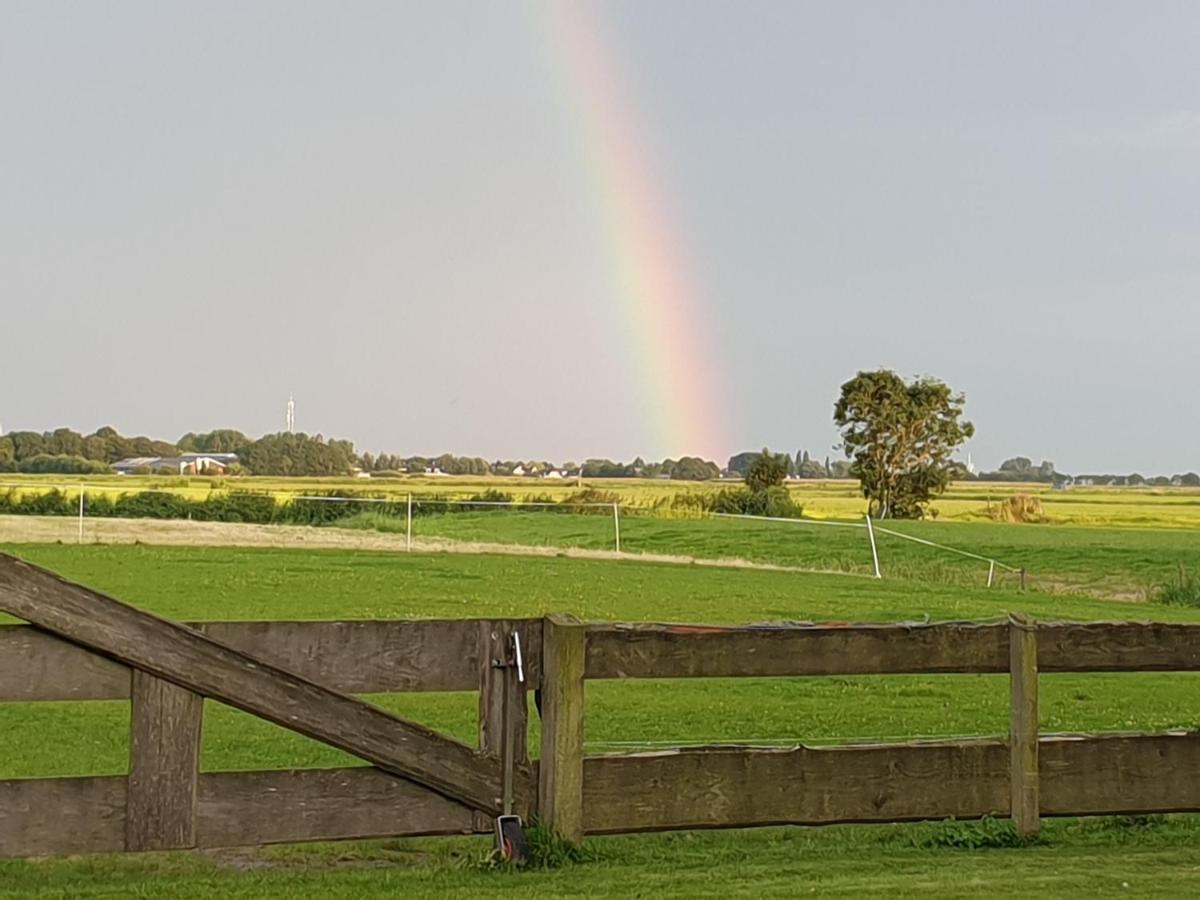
1153,856
1162,507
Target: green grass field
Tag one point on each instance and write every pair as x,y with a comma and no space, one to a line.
1122,562
1155,857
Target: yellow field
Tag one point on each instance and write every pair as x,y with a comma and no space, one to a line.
965,501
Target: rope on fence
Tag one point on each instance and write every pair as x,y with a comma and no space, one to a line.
927,543
789,521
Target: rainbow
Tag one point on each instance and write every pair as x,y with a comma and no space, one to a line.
670,351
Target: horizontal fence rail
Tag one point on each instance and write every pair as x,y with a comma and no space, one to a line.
373,656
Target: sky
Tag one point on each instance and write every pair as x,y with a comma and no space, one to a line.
548,230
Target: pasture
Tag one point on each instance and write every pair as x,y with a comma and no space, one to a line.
1155,856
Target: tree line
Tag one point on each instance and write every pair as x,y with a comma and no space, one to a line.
64,451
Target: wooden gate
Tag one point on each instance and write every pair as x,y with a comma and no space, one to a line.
298,675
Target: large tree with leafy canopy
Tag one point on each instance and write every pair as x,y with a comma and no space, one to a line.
899,437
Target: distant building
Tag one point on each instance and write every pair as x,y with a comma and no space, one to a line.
184,464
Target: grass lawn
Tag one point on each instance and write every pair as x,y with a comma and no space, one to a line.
1158,858
1121,561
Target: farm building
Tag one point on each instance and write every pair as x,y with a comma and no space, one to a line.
184,464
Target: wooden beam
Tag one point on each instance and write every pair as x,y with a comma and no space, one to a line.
190,660
164,765
356,657
690,651
707,787
1023,731
442,655
1118,647
1120,774
61,816
560,769
734,787
248,808
35,665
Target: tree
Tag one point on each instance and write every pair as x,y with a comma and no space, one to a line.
740,463
768,470
899,437
693,468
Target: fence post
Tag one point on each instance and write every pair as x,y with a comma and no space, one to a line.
164,764
1023,731
560,769
408,526
874,549
81,496
499,684
617,525
991,572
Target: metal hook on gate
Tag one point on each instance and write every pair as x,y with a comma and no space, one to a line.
516,636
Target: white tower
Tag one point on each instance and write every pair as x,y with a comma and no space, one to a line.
291,415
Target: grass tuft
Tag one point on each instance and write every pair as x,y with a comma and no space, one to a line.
1183,590
986,834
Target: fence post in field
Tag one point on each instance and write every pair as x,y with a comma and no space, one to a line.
164,764
991,572
1023,731
81,496
874,549
617,525
408,526
560,769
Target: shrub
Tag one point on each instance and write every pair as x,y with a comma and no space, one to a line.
151,505
1018,508
587,500
774,502
1183,590
51,503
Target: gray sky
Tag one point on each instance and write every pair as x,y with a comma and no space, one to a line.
387,209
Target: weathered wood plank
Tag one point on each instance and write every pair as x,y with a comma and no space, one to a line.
442,655
560,768
1023,726
62,816
686,651
1120,774
164,765
35,665
247,808
494,637
1118,647
738,787
731,787
198,663
356,657
375,656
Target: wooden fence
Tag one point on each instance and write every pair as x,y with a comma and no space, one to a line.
301,675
